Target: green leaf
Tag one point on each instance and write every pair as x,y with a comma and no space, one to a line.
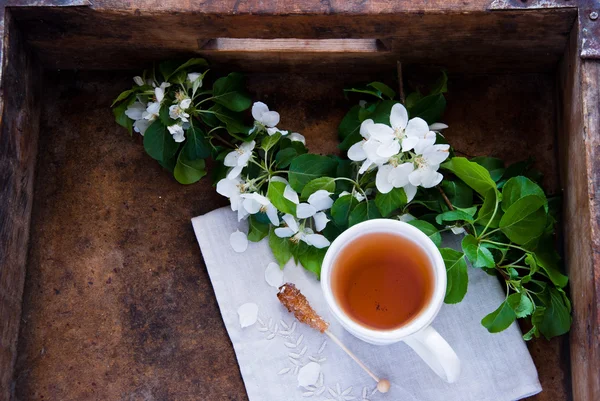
459,194
159,143
499,319
478,255
190,63
382,111
122,96
486,212
412,99
229,91
472,174
517,188
189,171
494,165
120,116
167,68
456,271
430,108
341,208
387,203
441,86
281,248
270,140
285,156
234,122
455,215
312,259
350,123
307,167
556,319
520,304
383,89
524,220
275,195
350,140
325,183
548,259
257,230
196,146
429,230
366,91
364,211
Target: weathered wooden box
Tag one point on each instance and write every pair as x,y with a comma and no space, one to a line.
117,304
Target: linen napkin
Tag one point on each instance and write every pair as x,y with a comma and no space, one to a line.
273,353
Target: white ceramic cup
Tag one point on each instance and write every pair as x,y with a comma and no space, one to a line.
417,333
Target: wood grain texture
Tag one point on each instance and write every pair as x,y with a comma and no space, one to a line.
118,304
474,41
19,91
579,140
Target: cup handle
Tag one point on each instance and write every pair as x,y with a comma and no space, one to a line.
436,353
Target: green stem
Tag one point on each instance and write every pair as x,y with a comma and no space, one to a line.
502,244
490,220
490,233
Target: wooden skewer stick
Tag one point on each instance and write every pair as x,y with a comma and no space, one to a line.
383,385
297,304
400,82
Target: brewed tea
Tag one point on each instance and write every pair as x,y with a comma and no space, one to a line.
382,281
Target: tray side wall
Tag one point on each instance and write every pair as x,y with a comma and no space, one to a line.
20,108
579,142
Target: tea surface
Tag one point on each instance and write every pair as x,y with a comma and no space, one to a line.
382,281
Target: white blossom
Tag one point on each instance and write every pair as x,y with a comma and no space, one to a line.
366,150
177,131
193,76
254,203
357,195
233,189
138,81
427,164
274,130
135,110
239,158
296,233
318,201
403,134
262,114
177,111
296,137
152,111
159,92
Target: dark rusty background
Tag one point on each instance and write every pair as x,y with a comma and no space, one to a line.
118,305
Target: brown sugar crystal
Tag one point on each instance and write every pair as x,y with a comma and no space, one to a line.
296,303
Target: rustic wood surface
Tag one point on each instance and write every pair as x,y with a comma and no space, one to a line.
118,304
580,155
464,37
20,110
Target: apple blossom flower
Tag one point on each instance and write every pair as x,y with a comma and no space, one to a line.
366,150
239,158
403,134
297,233
427,164
254,203
177,111
262,114
136,111
233,189
159,92
138,81
152,111
177,131
318,201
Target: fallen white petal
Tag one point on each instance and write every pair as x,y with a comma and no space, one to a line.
248,314
316,240
309,374
457,230
238,241
274,275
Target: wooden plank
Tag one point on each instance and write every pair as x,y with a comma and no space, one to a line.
579,139
18,147
477,41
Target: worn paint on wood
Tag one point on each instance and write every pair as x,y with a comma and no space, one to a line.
18,146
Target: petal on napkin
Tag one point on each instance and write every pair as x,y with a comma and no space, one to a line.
238,241
309,374
274,275
248,314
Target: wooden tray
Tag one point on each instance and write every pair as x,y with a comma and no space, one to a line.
117,303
